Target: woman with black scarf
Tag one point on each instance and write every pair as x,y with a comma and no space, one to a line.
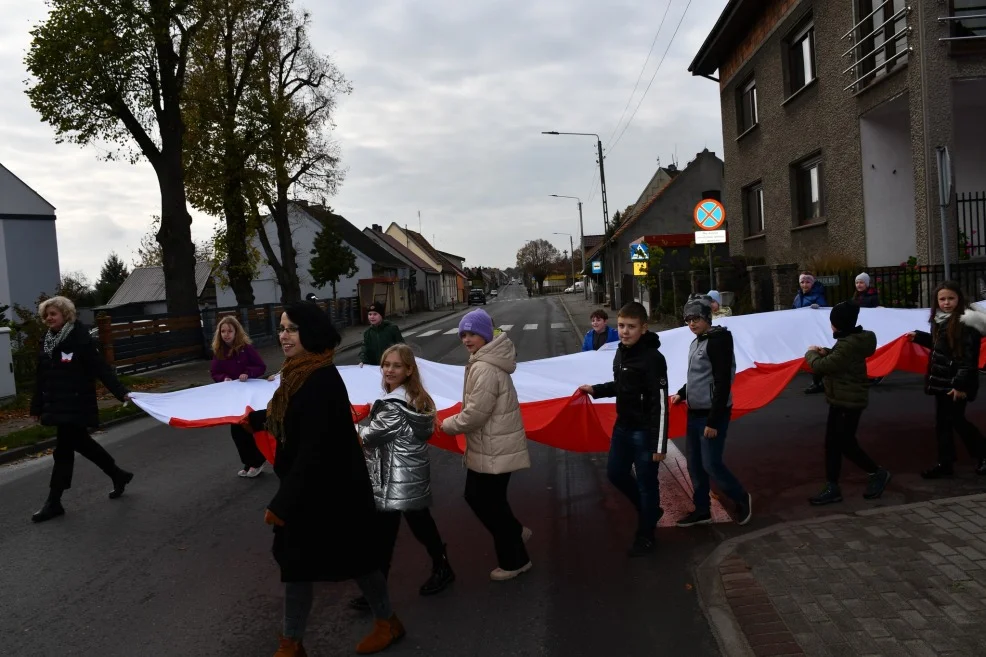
65,397
323,514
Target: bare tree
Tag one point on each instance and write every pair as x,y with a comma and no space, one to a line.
536,258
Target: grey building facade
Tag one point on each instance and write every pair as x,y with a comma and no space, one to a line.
832,113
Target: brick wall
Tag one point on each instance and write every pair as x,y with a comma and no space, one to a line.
773,13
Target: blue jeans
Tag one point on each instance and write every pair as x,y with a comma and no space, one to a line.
705,461
630,448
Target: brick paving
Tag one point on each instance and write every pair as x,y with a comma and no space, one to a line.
908,580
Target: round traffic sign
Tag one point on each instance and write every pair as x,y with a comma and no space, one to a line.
709,214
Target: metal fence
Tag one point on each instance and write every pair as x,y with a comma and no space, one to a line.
971,210
908,285
150,342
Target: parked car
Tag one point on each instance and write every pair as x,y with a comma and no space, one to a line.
569,289
476,295
493,293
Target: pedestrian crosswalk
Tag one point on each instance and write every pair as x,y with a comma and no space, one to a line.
420,333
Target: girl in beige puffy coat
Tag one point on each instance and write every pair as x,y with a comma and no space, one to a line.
496,444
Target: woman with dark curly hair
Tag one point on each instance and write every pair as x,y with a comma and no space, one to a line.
323,514
65,397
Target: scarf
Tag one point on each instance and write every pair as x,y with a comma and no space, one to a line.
52,340
941,317
294,374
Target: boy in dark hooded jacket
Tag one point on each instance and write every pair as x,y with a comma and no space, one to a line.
708,392
640,437
380,336
847,391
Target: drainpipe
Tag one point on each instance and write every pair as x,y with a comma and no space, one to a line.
922,63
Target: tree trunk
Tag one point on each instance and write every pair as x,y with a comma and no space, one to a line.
287,273
238,266
175,236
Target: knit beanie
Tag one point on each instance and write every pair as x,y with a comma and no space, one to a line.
806,278
715,296
865,278
699,306
478,322
376,307
844,316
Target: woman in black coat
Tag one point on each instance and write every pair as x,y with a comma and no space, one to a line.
953,375
324,518
65,397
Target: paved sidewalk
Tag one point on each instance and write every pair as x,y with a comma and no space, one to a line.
579,310
905,580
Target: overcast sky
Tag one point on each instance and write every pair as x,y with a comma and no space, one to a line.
449,100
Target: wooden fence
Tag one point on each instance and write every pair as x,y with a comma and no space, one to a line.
150,342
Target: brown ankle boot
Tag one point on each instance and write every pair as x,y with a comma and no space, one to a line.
385,632
290,648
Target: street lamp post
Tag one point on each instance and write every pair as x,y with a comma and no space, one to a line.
585,288
602,192
571,246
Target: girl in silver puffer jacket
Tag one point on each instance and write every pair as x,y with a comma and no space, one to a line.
395,442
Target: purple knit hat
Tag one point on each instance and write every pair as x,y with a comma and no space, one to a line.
477,322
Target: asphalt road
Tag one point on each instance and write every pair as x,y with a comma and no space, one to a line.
181,564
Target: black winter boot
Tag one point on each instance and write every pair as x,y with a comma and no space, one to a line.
441,575
940,471
120,480
52,507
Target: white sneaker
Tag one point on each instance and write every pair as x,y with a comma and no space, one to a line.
242,473
526,534
254,472
501,575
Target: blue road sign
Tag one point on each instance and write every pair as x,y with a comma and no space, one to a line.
597,267
639,252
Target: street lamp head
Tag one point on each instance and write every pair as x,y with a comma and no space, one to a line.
549,132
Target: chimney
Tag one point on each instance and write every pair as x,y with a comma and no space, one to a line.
377,227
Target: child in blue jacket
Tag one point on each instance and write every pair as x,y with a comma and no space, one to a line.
811,294
600,333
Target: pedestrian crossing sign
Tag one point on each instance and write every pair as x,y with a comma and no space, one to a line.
639,252
639,268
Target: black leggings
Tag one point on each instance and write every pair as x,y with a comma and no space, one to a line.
422,526
949,419
246,446
840,441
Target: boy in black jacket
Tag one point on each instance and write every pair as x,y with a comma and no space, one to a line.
708,391
640,437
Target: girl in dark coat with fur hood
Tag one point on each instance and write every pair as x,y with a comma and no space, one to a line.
65,398
953,375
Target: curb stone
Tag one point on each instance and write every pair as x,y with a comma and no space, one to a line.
25,451
714,599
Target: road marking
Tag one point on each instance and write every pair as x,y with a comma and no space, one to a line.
452,331
427,333
407,333
557,325
530,327
506,327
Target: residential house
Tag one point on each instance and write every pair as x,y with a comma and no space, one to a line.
667,218
28,244
377,271
452,279
461,280
143,293
423,280
832,113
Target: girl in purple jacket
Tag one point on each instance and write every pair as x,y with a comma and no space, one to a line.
235,359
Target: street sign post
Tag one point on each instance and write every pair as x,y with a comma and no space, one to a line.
944,197
709,216
597,266
639,252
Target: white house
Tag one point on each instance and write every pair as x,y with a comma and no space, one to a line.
28,243
377,271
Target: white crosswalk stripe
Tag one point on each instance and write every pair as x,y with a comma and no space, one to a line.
407,334
557,325
530,327
451,331
506,327
427,333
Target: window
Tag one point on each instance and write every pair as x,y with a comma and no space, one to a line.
880,38
801,58
972,26
753,209
807,177
747,113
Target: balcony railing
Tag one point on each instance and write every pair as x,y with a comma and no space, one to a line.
879,42
966,22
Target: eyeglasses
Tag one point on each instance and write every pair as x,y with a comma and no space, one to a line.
692,319
289,329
